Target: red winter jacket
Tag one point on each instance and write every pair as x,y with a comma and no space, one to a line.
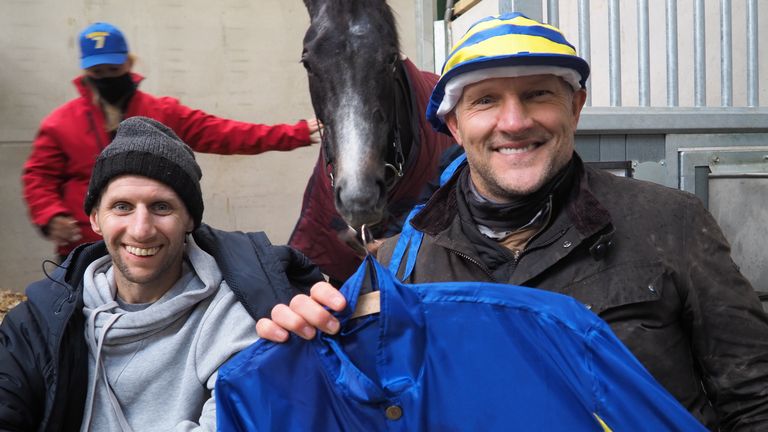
57,172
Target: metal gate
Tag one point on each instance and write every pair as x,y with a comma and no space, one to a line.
679,135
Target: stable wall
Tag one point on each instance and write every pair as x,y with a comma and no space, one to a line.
233,58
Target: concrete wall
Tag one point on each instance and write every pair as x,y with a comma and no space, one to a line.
233,58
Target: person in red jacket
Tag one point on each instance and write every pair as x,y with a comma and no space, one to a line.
56,174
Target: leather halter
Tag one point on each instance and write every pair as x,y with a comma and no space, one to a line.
398,164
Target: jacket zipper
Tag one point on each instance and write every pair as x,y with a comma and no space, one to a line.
95,131
474,261
516,255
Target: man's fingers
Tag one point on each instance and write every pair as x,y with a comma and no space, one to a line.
327,295
313,313
304,315
290,320
314,126
267,329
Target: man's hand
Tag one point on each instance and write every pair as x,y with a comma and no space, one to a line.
314,126
304,315
63,230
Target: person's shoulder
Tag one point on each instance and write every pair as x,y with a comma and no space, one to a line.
46,293
387,248
145,100
66,113
224,308
640,192
48,300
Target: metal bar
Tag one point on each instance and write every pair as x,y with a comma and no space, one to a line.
675,120
643,55
614,52
584,40
726,54
753,90
531,8
553,12
425,13
507,6
448,21
699,53
672,57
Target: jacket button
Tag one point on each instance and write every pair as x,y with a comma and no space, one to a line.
652,288
393,412
567,244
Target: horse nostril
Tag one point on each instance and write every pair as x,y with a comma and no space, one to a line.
337,191
382,184
360,198
378,116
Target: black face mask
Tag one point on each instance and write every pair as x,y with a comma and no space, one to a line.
115,89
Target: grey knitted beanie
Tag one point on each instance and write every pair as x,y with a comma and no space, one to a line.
148,148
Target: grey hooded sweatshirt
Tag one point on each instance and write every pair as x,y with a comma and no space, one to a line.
154,369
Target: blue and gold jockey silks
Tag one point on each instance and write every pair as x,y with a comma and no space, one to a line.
448,357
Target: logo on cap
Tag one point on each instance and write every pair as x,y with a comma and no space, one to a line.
98,37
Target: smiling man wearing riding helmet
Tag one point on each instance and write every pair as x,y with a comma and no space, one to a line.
525,210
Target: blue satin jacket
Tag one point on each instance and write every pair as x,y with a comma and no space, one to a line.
449,356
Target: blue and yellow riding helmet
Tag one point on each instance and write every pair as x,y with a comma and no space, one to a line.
500,46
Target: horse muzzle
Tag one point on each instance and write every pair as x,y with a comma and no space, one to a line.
360,202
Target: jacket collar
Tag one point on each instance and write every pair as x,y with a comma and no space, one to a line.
582,218
80,259
583,209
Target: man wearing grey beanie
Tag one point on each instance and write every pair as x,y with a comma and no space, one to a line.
129,333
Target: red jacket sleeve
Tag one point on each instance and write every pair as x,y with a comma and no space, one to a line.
207,133
43,178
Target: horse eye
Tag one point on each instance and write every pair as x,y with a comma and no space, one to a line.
304,61
306,65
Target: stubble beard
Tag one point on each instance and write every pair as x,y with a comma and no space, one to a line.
499,187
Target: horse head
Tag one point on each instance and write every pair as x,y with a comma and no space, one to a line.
352,58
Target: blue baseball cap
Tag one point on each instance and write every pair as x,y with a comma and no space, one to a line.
102,43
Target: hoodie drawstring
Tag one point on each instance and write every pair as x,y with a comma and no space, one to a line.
95,347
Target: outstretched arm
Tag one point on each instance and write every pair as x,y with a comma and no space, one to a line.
207,133
304,315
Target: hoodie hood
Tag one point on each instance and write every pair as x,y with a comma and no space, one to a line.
200,279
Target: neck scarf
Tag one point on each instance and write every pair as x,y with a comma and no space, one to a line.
520,212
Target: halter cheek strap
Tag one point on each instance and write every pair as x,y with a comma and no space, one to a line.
397,166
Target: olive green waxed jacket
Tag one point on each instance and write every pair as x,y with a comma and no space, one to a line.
649,260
